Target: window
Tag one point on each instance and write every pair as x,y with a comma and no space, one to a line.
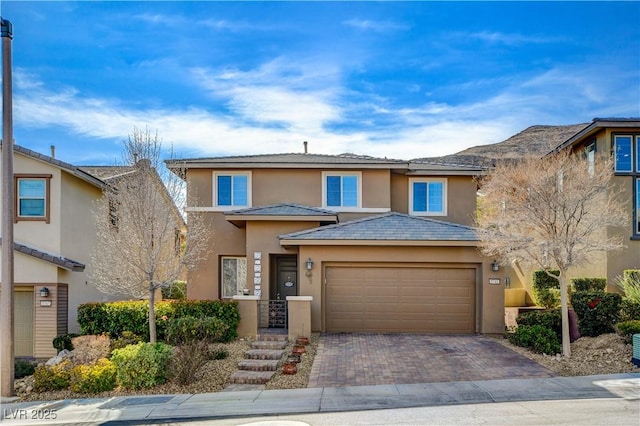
428,197
232,190
341,190
622,152
591,157
637,206
234,276
32,197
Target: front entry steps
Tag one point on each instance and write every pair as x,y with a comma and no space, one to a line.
260,363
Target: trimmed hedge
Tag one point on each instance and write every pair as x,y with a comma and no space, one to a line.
546,289
189,330
589,284
143,365
551,319
537,338
117,317
597,312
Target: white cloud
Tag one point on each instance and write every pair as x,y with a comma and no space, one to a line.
376,26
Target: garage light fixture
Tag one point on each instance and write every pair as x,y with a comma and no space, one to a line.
309,264
44,292
495,266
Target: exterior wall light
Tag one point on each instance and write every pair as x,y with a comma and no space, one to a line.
309,264
495,266
44,292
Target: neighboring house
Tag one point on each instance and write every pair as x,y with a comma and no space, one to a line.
54,236
380,245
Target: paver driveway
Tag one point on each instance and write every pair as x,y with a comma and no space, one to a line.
354,359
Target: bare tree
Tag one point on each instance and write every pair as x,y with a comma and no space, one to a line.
552,213
141,244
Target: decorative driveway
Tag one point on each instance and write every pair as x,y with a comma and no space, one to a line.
356,359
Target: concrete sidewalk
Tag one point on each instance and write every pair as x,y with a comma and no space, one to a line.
153,409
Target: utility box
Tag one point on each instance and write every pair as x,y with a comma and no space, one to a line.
636,350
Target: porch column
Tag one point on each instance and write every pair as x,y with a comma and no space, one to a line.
248,308
299,308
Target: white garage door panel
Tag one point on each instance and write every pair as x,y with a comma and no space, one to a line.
400,299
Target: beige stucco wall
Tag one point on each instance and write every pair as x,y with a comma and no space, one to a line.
490,298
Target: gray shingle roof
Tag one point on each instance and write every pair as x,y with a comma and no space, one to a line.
282,209
289,158
389,226
108,172
62,262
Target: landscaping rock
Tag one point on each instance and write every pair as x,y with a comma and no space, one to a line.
64,354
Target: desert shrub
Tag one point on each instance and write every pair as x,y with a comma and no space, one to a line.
597,312
218,354
186,330
23,368
115,318
176,291
589,284
89,349
99,377
630,284
546,289
64,342
127,338
537,338
627,329
52,378
187,360
551,319
143,365
629,310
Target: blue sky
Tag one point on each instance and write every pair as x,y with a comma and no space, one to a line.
396,79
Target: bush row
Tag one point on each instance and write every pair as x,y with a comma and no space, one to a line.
115,318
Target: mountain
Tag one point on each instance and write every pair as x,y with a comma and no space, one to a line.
534,140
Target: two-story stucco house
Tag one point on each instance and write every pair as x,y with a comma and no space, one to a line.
379,245
54,234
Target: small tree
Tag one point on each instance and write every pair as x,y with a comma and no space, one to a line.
140,229
551,213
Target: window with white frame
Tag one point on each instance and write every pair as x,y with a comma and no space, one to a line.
232,190
341,190
233,275
623,153
590,152
637,196
32,197
428,197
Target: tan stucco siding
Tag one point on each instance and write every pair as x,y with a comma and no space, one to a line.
200,187
489,299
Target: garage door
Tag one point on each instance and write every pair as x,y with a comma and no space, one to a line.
400,299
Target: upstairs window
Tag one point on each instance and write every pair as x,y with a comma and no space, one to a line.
623,153
428,197
590,152
232,190
341,190
637,207
32,198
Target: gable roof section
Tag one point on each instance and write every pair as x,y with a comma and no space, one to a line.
69,168
108,172
596,125
397,228
59,261
281,212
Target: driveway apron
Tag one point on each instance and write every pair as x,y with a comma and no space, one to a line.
356,359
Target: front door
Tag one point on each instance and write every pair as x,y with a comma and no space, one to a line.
286,277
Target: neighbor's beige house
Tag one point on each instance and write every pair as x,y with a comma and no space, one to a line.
378,245
54,234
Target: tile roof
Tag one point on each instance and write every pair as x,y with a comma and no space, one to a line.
388,227
108,172
294,158
62,262
282,209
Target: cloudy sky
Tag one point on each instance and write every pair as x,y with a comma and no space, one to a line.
396,79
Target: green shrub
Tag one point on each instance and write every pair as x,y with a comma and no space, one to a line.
630,284
127,338
116,317
187,330
143,365
176,291
537,338
629,310
589,284
546,289
23,368
96,378
597,312
52,378
551,319
64,342
627,329
218,354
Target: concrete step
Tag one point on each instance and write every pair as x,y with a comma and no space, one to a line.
273,337
260,344
251,377
264,354
258,364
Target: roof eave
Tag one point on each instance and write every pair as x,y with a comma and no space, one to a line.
408,243
594,127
